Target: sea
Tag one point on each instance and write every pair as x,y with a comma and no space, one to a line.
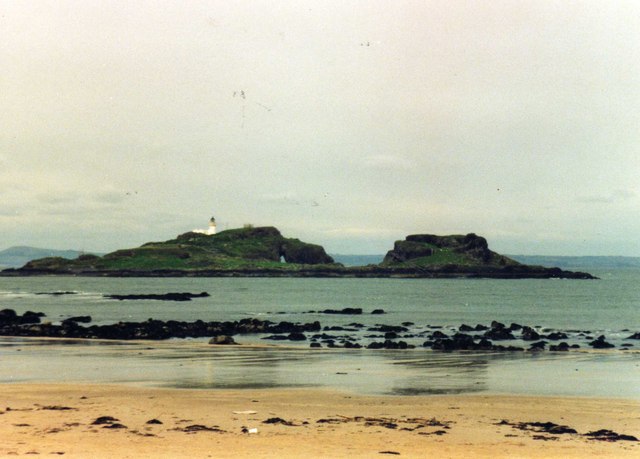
583,309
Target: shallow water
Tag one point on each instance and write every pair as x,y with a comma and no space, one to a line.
608,306
412,372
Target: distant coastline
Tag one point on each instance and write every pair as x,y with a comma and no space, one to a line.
579,262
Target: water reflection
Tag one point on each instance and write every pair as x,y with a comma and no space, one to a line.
437,373
413,372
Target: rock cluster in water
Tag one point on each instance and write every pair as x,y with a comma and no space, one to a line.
29,324
465,338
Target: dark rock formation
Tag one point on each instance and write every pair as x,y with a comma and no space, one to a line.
222,340
562,347
407,250
31,317
173,296
529,334
104,420
464,342
10,317
438,335
600,343
537,346
609,435
425,245
555,336
545,427
499,334
276,337
151,329
57,293
346,311
388,344
77,319
28,324
295,251
296,336
388,328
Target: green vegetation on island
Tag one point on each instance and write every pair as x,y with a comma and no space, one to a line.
263,251
235,249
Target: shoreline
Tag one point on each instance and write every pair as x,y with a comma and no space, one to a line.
449,271
50,419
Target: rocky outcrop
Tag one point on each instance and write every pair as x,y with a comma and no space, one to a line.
172,296
346,311
465,342
601,343
295,251
10,325
10,317
470,246
222,340
352,336
407,250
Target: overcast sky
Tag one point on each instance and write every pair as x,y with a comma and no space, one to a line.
345,123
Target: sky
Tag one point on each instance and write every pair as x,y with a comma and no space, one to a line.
345,123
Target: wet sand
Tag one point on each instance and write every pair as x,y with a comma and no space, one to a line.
59,420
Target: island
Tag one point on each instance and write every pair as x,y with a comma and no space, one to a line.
265,252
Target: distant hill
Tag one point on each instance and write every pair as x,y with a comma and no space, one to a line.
17,256
584,262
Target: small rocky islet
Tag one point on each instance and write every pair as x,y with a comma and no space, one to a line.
496,336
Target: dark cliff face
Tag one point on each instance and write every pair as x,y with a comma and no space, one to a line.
430,249
295,251
406,250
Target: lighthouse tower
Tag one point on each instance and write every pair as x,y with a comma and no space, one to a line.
211,230
212,226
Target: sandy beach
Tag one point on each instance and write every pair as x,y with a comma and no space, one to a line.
108,421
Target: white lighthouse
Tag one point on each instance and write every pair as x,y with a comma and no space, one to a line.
212,226
210,230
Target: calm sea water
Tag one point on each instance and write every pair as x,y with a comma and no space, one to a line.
609,306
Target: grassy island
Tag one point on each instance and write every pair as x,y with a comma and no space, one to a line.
263,251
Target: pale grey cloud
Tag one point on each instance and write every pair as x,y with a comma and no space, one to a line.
387,162
514,120
615,196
